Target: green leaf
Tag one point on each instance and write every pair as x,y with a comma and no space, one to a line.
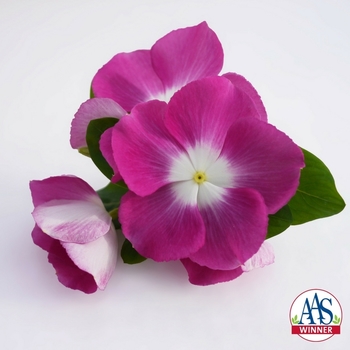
111,195
130,255
316,196
279,222
84,151
95,129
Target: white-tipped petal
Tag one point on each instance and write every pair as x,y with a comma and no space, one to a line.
98,257
74,221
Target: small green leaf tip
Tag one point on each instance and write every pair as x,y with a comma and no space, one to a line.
130,255
84,151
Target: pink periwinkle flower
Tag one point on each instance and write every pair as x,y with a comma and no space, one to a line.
204,171
73,226
181,56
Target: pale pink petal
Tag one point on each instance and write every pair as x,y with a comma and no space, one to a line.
107,152
263,257
236,226
143,148
187,54
128,79
164,225
68,209
67,272
265,159
72,220
254,106
204,276
98,257
62,187
201,113
95,108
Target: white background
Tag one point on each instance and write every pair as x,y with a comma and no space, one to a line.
296,53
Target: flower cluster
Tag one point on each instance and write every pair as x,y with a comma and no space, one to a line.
197,174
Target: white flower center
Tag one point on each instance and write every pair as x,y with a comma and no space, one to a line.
200,176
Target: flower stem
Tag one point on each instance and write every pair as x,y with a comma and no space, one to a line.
114,213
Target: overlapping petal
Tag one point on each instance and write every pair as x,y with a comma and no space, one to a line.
69,274
201,113
66,187
254,107
163,225
92,109
77,221
143,148
203,276
236,225
176,59
97,257
265,159
68,209
187,54
107,152
128,79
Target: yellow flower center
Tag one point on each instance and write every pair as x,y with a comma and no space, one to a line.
199,177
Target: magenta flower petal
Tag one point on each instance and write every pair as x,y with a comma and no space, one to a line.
68,209
174,60
236,226
162,226
187,54
128,79
92,109
67,272
265,256
107,152
143,148
98,257
201,113
204,276
66,187
255,107
265,159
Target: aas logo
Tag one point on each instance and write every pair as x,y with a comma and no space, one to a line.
316,315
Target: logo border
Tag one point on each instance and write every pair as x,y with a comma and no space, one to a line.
323,290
